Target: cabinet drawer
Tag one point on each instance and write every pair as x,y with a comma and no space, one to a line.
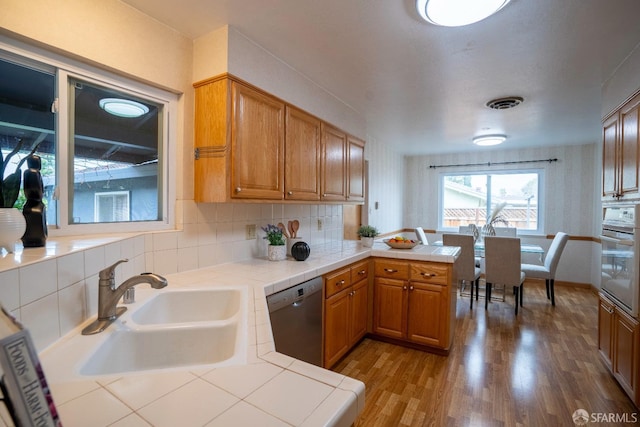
359,271
337,281
391,269
430,273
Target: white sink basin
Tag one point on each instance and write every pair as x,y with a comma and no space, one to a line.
141,350
173,329
199,305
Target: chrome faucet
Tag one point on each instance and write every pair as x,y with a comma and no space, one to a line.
109,295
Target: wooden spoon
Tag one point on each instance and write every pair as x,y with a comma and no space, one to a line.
284,230
295,225
290,226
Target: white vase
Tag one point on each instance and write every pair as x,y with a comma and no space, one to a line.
277,253
12,227
367,242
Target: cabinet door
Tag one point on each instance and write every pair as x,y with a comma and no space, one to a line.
389,307
333,164
359,303
257,145
605,330
356,175
427,314
629,146
302,156
626,353
609,157
336,332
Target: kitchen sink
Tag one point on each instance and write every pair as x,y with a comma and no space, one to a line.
141,350
199,305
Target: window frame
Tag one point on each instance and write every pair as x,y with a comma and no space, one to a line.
65,68
98,197
541,196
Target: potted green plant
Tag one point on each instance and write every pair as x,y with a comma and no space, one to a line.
277,251
367,233
12,222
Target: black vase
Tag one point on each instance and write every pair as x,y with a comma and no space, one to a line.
300,251
34,211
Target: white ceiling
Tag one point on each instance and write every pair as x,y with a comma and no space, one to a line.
423,88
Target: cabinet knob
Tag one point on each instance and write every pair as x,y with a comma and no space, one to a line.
340,283
428,274
410,288
289,193
324,194
404,288
361,272
390,270
238,189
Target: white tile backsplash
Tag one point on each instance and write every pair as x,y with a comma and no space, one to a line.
64,284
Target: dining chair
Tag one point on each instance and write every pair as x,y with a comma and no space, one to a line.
547,270
421,236
502,266
465,265
506,231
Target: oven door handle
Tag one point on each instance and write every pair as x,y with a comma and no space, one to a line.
616,241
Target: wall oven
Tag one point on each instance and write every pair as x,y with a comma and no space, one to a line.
620,259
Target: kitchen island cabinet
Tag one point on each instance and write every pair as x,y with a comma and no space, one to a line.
345,310
414,302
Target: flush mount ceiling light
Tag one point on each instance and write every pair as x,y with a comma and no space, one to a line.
487,140
123,107
456,13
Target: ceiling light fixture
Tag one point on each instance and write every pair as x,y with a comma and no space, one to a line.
487,140
123,107
456,13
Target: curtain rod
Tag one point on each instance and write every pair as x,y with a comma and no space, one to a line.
493,164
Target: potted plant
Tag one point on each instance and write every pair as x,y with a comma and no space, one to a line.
277,251
12,222
367,233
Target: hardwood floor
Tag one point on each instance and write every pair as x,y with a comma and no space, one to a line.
533,370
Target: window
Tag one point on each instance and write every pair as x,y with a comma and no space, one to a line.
111,206
471,198
100,166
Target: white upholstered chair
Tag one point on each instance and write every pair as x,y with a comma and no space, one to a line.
421,236
465,265
547,271
502,266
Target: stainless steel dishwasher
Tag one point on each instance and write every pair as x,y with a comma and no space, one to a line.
296,321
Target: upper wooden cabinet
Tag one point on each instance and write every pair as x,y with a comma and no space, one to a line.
239,143
250,145
303,148
355,168
620,155
334,164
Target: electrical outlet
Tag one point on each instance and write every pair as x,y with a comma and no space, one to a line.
250,232
320,224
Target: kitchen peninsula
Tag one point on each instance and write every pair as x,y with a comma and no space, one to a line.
269,389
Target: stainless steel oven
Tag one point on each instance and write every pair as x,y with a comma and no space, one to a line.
620,260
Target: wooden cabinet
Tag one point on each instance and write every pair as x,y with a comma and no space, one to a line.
619,346
414,302
345,310
239,143
303,151
621,152
355,170
334,164
250,145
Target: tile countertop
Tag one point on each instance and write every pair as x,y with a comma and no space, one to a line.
271,389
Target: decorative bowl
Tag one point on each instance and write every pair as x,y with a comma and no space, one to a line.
401,245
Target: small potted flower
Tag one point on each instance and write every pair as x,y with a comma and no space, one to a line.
277,250
367,233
